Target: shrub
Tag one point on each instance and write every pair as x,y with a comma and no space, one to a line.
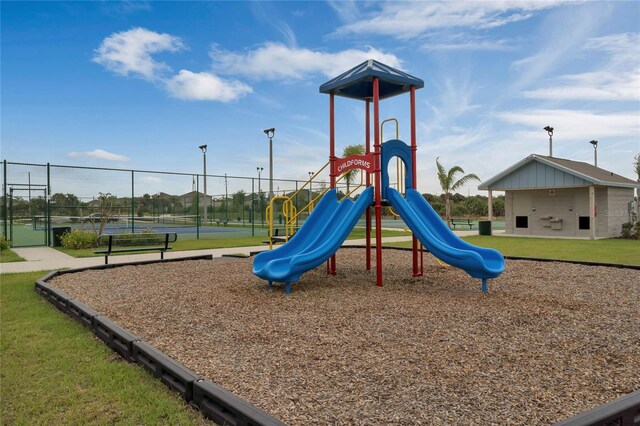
4,244
78,239
631,231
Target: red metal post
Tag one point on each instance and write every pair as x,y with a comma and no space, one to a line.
368,212
378,177
414,148
331,265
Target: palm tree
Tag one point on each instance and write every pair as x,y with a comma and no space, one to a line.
351,150
449,184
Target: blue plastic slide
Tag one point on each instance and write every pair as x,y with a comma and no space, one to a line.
436,236
318,239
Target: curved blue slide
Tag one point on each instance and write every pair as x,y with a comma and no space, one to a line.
435,235
320,236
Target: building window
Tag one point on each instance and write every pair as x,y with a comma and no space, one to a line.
584,222
522,221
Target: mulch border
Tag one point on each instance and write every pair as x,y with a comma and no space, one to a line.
223,407
215,402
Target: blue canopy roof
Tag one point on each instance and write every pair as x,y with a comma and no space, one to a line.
357,83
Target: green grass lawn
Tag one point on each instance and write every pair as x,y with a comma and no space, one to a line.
54,371
608,250
8,255
213,243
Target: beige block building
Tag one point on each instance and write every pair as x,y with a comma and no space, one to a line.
556,197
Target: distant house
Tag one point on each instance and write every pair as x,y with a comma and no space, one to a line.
548,196
189,199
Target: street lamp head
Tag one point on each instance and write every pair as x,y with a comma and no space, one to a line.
270,132
549,130
594,143
203,148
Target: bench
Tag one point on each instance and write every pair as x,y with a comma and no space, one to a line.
461,222
224,222
130,243
279,236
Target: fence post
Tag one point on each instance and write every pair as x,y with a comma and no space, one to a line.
4,198
133,202
198,207
253,209
47,213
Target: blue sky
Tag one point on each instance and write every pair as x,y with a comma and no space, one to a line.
142,84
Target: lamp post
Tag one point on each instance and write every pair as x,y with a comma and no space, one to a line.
260,169
226,199
595,152
204,175
270,133
310,188
549,130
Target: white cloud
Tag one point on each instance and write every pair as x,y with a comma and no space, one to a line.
99,154
347,10
617,79
406,20
471,44
274,61
203,86
622,47
577,124
563,41
150,179
129,52
599,86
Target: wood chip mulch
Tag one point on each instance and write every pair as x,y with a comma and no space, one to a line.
549,340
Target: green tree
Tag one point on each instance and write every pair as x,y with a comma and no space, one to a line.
449,183
65,204
107,203
636,165
476,206
498,206
352,150
238,201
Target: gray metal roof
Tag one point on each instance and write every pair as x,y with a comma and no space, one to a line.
357,83
540,171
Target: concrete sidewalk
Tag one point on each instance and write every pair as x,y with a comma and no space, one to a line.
46,258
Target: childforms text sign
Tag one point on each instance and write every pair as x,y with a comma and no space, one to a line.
364,162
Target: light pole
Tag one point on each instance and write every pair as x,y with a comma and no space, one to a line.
270,133
549,130
260,169
595,152
226,199
204,175
310,188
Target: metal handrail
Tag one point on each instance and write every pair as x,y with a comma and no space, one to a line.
311,203
287,208
399,164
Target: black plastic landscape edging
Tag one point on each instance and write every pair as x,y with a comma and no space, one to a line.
623,411
216,403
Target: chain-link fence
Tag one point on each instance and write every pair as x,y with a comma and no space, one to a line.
38,199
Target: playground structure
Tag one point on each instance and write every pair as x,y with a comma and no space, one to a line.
332,220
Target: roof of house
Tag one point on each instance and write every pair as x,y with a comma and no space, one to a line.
541,171
357,83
